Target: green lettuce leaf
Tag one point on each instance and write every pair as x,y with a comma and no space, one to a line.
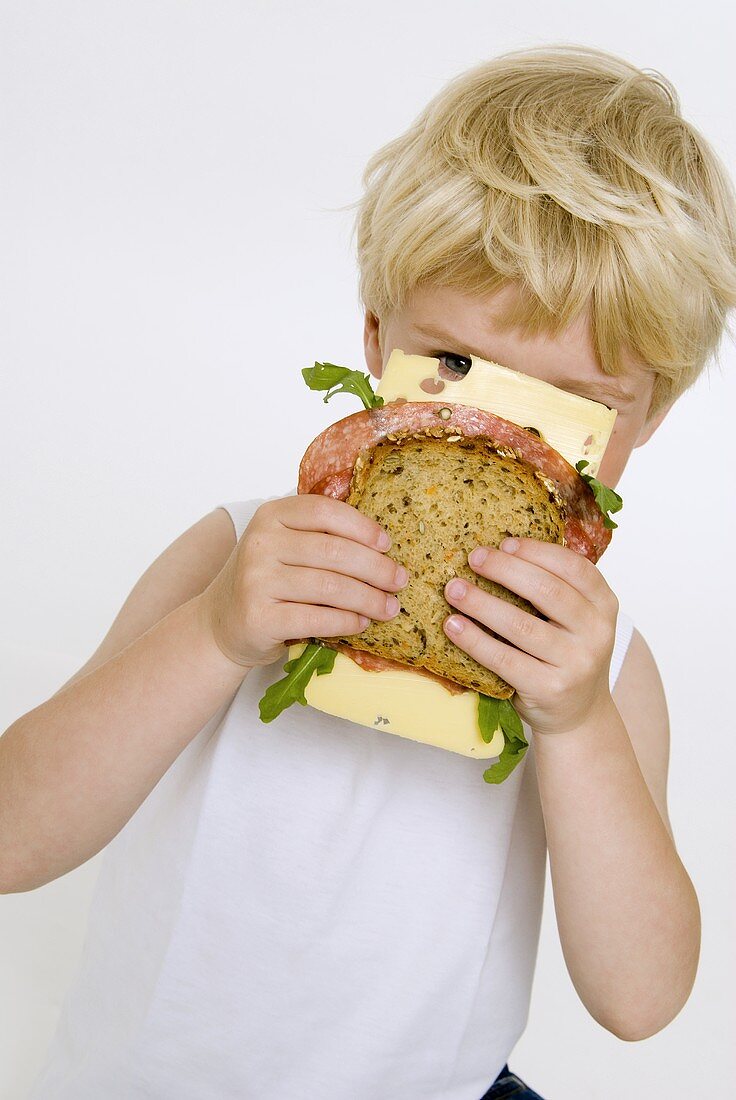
327,376
500,713
607,499
290,688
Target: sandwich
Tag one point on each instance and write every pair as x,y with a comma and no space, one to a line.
445,464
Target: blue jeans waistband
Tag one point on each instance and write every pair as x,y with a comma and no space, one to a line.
508,1086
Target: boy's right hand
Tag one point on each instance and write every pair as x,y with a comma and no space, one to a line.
305,566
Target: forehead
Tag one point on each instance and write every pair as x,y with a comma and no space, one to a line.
445,319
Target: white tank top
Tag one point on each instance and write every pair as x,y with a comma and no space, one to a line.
308,909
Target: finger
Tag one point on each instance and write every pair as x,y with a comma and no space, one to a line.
341,555
550,594
297,584
565,563
535,636
314,512
517,668
303,620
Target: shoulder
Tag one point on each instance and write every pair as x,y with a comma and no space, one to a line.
182,571
640,700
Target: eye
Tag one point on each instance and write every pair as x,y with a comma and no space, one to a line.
455,364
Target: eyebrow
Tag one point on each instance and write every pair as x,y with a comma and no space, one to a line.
593,390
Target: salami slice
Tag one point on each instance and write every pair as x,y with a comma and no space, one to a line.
328,462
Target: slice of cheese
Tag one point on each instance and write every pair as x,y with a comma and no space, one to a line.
574,426
401,702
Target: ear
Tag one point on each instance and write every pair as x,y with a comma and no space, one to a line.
650,426
372,344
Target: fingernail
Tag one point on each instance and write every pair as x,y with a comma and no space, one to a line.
363,620
401,576
454,625
384,540
510,545
478,556
392,605
456,588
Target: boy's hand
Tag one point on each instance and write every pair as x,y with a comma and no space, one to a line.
559,667
305,566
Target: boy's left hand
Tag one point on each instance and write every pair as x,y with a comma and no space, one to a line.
559,667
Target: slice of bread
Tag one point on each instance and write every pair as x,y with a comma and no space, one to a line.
438,499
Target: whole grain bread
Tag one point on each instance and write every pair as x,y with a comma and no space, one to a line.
438,499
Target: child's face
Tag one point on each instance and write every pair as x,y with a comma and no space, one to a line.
443,321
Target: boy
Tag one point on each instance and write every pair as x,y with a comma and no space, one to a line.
317,910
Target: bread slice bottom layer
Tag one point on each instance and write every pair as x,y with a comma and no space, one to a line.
438,500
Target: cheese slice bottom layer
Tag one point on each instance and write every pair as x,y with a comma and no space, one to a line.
402,702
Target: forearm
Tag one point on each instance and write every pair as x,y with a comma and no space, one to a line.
74,770
627,912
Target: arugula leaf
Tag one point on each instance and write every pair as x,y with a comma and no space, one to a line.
495,713
607,499
290,688
327,376
488,719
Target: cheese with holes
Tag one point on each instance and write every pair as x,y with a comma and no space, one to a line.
401,702
574,426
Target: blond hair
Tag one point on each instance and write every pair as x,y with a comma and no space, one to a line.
572,173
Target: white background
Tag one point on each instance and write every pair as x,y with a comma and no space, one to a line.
172,257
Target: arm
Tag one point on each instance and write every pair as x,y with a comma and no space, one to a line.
76,768
626,909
